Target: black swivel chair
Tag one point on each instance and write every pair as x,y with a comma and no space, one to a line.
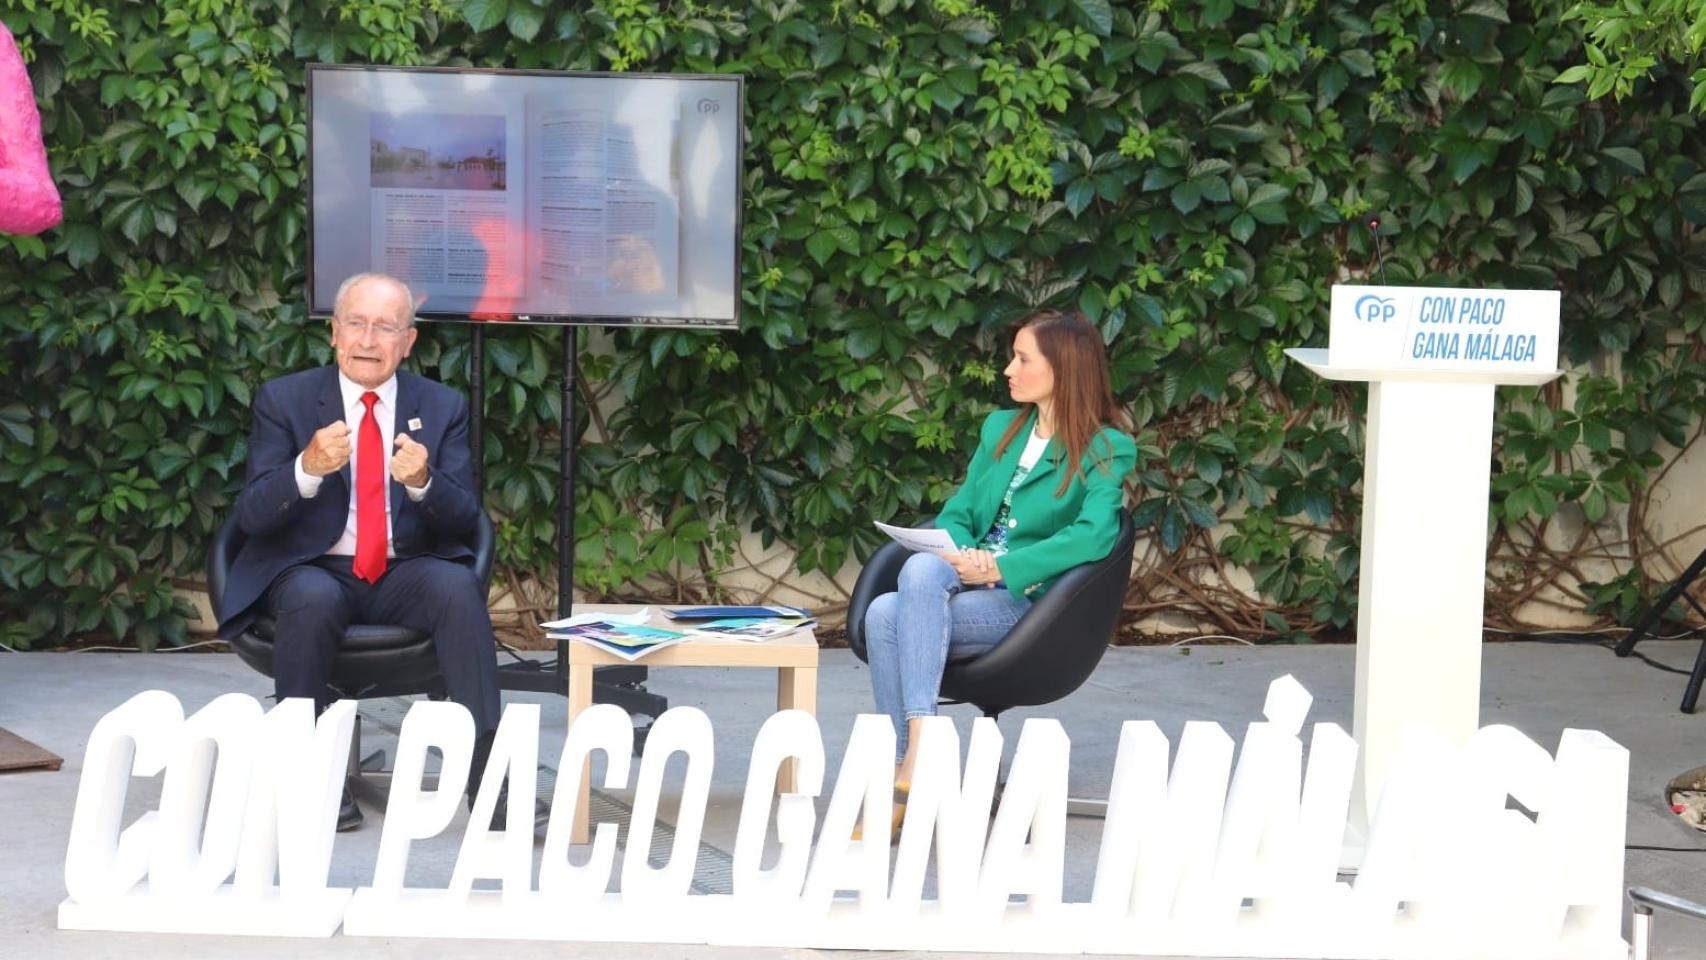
373,660
1048,654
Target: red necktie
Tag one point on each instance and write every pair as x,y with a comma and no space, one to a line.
369,496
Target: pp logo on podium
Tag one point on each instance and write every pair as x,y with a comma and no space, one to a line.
1370,308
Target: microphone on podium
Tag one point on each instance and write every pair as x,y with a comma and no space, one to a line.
1380,257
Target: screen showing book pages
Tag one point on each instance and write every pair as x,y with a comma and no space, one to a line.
529,196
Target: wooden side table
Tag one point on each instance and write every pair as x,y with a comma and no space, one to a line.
794,658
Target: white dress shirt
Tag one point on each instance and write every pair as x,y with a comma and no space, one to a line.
385,413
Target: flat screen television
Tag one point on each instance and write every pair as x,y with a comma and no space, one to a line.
530,196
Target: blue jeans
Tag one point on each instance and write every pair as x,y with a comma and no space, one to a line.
912,634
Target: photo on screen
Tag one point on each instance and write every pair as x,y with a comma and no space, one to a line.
427,151
529,195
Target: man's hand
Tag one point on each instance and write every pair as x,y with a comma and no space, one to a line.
409,463
328,451
975,567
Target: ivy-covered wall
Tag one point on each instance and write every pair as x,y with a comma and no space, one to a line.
1193,174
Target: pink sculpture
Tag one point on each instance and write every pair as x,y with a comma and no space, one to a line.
28,201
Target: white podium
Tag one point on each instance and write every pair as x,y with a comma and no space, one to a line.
1431,357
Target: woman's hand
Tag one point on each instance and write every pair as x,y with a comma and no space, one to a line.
975,567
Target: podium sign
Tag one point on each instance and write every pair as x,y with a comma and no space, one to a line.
1431,357
1444,328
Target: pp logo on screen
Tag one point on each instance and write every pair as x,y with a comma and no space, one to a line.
708,105
1370,308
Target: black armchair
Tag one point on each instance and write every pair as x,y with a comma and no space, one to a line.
373,660
1048,654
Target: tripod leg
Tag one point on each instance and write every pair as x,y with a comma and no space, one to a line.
1691,694
1650,619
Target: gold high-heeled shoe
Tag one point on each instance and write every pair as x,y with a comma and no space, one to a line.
896,817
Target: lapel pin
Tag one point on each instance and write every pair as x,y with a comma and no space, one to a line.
414,423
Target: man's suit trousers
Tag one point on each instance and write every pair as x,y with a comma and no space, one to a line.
313,602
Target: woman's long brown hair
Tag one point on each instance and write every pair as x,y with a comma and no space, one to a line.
1083,397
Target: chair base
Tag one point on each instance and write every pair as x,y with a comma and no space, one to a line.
368,779
1086,807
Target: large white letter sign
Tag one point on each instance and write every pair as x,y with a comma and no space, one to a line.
1583,822
218,815
1027,846
187,863
957,810
1137,802
1186,838
136,739
414,813
790,734
1480,848
506,855
684,730
293,806
1262,805
864,790
607,728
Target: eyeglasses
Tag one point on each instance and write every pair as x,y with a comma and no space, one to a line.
361,327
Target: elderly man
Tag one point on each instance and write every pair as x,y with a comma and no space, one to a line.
359,507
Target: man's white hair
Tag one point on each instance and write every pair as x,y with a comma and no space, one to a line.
347,285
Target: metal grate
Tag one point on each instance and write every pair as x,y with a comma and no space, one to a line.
713,869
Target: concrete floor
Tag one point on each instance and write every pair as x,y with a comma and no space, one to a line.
55,699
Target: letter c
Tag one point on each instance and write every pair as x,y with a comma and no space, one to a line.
137,738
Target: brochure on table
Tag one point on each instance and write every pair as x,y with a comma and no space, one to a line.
622,634
755,629
725,612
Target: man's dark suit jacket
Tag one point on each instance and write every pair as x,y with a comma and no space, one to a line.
283,529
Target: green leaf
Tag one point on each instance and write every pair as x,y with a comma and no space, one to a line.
82,244
483,15
194,191
1594,505
1331,82
1079,195
846,238
1173,529
822,245
1097,15
864,342
1489,9
1150,309
1208,72
1628,158
858,179
138,222
1358,61
524,20
15,423
1186,196
827,51
1200,513
1461,77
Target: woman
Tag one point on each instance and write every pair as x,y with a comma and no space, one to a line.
1042,495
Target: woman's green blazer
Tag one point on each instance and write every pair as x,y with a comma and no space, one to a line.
1047,534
